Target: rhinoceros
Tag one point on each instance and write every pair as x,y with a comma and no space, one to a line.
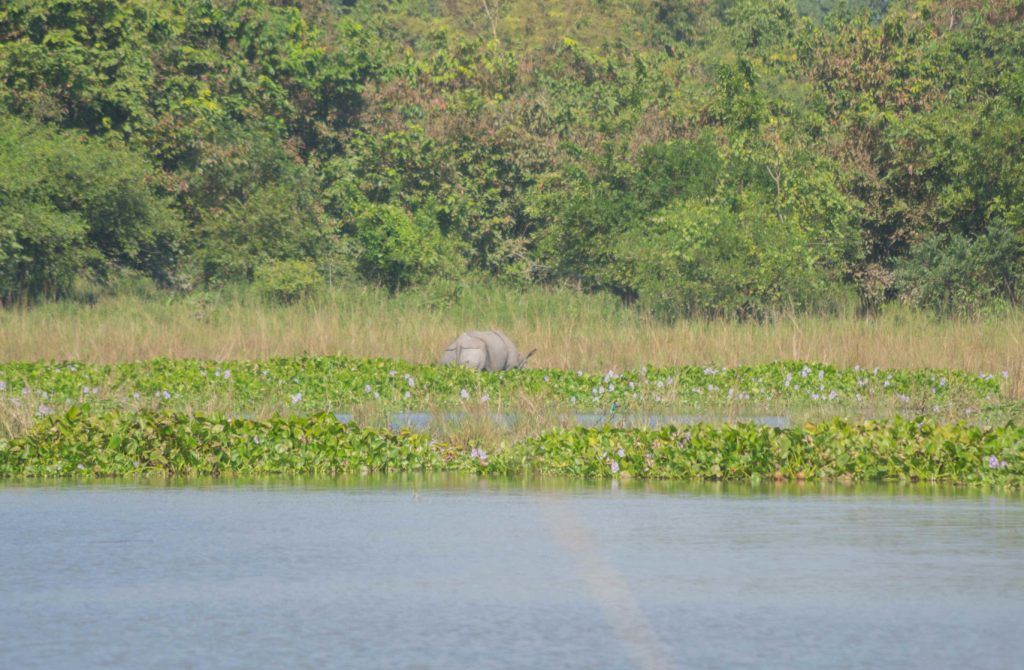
489,350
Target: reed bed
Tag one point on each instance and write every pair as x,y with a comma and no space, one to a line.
570,330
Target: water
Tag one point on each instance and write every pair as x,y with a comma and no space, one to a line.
463,573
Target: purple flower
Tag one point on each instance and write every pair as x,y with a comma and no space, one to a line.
614,465
621,453
368,388
996,464
478,455
227,374
465,394
296,398
3,386
44,410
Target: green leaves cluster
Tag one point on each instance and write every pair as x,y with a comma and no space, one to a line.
86,443
329,383
72,205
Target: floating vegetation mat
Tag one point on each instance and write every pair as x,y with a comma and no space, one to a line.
327,383
86,442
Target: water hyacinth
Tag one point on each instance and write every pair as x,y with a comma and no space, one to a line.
464,394
296,398
330,382
994,463
153,441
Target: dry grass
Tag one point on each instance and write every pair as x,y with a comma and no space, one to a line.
571,331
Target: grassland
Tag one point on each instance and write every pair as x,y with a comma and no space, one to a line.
572,331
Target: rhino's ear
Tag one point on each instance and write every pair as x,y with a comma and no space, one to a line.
522,361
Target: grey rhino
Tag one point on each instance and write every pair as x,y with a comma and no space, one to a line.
489,350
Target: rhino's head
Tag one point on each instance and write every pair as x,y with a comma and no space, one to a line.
521,360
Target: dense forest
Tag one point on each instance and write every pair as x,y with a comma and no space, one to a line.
712,157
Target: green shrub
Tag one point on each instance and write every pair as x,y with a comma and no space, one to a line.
287,281
697,259
397,249
954,274
71,205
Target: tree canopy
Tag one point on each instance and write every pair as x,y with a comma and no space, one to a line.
727,157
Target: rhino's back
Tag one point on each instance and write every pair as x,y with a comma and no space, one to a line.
500,349
466,350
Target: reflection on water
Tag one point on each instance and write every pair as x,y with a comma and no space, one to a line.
451,572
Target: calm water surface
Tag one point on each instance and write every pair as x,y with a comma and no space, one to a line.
462,573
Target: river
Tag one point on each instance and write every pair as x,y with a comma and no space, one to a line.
458,572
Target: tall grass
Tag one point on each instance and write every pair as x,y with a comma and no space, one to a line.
569,329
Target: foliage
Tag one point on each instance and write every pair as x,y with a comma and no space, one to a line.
954,274
712,157
398,249
287,281
86,443
230,102
69,204
330,383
